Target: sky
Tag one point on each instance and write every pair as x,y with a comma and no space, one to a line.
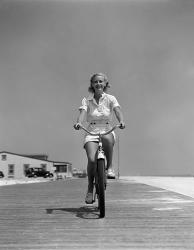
50,49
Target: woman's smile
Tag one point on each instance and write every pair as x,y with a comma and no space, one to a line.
99,86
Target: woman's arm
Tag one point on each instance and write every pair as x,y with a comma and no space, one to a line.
80,118
119,116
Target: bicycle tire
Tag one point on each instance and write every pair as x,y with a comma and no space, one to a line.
101,186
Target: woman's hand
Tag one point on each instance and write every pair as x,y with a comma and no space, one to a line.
119,117
77,126
122,125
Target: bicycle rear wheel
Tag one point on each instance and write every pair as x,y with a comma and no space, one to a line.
101,183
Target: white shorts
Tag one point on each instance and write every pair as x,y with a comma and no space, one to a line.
96,128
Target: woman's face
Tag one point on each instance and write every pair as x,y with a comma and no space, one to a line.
98,84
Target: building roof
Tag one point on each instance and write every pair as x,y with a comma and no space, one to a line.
37,156
34,156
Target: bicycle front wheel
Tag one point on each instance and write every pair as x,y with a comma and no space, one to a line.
101,186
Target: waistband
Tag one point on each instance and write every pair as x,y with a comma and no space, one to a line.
96,122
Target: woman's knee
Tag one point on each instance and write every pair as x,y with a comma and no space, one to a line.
108,141
91,160
91,149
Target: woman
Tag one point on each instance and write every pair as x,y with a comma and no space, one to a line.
98,109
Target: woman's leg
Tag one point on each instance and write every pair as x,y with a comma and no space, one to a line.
108,144
91,150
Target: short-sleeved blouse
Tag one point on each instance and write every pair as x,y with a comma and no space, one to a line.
99,115
101,111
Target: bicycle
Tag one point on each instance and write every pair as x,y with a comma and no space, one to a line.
100,175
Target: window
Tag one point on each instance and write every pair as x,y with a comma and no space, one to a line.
3,157
43,166
26,167
63,169
11,171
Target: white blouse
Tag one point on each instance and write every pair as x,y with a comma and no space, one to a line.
101,112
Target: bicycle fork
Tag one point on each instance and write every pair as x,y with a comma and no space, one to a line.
100,156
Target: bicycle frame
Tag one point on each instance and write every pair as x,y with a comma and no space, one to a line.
100,179
100,154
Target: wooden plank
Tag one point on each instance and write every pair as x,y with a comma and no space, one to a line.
53,215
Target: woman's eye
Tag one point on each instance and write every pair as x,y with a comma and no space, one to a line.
98,81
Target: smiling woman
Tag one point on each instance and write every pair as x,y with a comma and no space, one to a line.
98,109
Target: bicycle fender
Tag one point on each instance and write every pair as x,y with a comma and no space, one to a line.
101,155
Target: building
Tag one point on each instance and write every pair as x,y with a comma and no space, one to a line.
63,170
15,165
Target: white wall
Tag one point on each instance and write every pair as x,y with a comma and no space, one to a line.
18,162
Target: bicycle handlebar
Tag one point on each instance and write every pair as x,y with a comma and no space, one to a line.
103,133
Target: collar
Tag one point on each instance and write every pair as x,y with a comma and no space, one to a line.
91,96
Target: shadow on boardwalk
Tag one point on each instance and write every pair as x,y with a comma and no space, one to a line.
84,212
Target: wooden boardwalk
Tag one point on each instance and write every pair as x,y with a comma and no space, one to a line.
53,216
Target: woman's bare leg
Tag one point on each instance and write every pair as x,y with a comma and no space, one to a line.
91,150
108,144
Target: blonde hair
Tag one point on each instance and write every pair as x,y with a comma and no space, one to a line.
91,89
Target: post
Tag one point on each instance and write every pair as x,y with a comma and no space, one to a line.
118,157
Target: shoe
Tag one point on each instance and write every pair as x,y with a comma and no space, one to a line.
89,198
110,174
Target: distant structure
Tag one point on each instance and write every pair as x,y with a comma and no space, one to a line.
79,173
14,166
